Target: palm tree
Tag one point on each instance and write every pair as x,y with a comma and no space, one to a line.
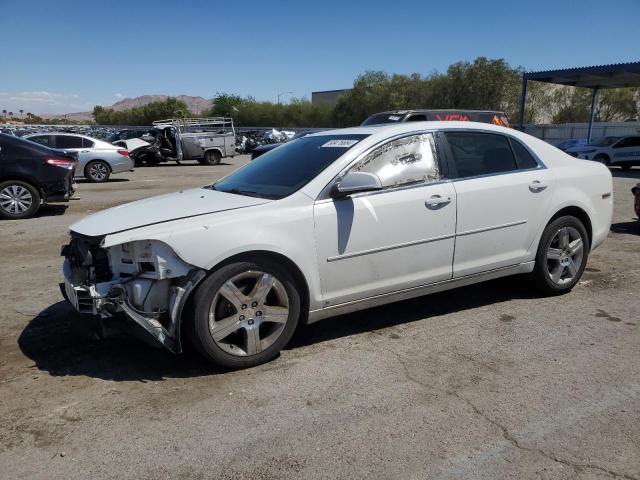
21,113
10,114
4,112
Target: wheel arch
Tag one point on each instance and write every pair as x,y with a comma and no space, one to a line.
253,255
295,270
213,149
26,179
98,160
580,214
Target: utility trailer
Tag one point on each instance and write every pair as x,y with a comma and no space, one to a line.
207,140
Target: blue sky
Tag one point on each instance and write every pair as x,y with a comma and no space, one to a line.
65,56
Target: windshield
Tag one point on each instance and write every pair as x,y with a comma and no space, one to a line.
286,169
604,141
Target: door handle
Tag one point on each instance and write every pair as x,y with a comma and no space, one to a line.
436,200
84,151
537,186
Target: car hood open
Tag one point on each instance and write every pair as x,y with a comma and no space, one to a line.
164,208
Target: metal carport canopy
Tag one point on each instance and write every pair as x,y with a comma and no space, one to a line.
619,75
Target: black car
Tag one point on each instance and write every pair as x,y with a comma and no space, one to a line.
32,174
262,149
401,116
127,134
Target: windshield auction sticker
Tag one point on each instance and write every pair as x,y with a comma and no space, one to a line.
340,143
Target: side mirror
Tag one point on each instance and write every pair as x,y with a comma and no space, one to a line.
356,182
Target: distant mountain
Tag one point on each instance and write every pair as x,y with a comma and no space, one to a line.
195,105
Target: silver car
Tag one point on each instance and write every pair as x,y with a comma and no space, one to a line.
97,159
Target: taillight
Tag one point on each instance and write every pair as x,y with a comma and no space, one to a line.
124,153
61,162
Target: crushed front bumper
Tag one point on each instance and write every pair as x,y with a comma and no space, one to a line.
109,300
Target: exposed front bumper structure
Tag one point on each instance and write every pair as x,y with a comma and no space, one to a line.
143,281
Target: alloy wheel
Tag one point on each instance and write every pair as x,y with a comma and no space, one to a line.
565,255
98,171
248,313
15,199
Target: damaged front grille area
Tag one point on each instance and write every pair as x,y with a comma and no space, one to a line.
144,281
87,258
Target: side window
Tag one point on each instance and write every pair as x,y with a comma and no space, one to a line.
86,143
41,139
628,142
477,153
417,118
67,141
404,161
523,158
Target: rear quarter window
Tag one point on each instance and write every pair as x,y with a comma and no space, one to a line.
524,159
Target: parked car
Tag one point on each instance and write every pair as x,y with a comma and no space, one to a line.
262,149
570,143
401,116
126,134
623,152
334,222
636,199
97,159
31,175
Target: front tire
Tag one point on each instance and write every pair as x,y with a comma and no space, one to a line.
18,200
244,314
561,257
97,171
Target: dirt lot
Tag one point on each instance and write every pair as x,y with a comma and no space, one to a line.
483,382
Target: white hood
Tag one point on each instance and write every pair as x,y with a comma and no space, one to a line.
184,204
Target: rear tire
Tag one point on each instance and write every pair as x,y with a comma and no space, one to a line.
562,256
18,200
97,171
235,323
211,157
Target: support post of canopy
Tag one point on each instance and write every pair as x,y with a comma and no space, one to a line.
594,99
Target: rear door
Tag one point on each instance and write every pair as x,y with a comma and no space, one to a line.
503,194
73,143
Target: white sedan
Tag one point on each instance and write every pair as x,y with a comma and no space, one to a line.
97,159
623,152
334,222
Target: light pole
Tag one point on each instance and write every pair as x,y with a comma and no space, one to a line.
283,93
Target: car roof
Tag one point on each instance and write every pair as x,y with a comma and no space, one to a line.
418,110
390,129
91,139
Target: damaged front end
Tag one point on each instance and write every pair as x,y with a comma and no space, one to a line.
144,281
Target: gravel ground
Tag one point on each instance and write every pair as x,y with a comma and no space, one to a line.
487,381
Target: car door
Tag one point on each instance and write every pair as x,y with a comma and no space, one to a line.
74,143
399,237
503,195
626,150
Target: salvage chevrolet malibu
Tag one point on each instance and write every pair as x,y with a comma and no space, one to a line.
334,222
